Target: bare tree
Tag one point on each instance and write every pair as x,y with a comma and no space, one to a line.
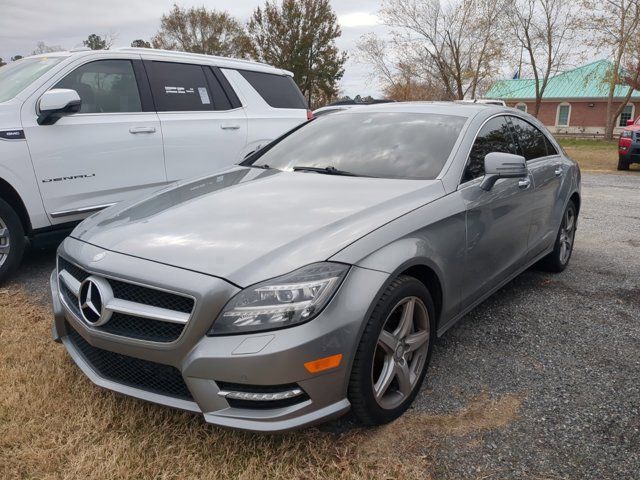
545,31
615,27
42,47
457,44
400,80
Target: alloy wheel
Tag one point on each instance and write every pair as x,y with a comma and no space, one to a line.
567,234
401,352
5,242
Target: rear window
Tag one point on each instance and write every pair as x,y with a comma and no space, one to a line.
279,91
386,145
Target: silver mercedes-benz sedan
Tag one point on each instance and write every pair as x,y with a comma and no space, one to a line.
313,277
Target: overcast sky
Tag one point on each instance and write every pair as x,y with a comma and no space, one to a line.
24,23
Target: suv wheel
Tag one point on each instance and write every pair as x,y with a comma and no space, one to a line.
394,353
558,260
12,240
622,163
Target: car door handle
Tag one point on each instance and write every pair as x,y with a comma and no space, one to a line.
229,126
136,130
524,183
558,171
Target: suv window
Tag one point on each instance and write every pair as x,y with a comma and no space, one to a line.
494,136
105,86
279,91
532,142
179,87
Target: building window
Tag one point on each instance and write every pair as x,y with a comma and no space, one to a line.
522,107
564,115
627,114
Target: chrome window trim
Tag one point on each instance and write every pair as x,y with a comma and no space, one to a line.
504,114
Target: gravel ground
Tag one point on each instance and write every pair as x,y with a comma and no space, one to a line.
566,346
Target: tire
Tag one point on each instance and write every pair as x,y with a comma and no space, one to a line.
374,363
12,241
622,163
558,260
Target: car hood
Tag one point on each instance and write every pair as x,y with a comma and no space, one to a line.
246,224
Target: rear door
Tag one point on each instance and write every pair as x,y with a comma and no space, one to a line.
204,127
105,153
545,166
498,220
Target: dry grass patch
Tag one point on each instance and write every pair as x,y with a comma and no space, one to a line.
55,424
415,438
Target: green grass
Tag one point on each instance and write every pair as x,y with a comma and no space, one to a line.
588,143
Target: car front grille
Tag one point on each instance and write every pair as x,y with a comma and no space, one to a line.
126,325
133,372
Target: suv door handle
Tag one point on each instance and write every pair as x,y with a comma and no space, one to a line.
229,126
558,171
135,130
524,183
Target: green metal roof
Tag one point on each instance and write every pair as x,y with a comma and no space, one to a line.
588,81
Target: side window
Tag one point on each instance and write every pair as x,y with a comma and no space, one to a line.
551,150
218,95
105,86
494,136
532,142
179,87
279,91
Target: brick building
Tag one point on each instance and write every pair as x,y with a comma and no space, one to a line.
574,102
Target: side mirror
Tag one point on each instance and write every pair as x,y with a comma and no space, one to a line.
630,122
56,103
502,165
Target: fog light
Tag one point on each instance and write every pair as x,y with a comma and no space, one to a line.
261,396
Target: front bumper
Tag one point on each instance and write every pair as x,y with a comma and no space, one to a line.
206,364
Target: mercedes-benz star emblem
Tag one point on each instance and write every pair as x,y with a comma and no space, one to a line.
95,293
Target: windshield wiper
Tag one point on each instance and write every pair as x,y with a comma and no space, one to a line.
264,167
326,170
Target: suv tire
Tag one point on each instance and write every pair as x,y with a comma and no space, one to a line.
12,241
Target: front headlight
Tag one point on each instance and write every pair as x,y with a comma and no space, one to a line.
627,134
281,302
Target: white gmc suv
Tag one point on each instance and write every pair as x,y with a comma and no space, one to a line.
82,130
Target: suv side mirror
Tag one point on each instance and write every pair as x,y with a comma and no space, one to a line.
630,122
56,103
502,165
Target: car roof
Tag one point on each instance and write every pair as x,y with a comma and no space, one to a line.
445,108
222,62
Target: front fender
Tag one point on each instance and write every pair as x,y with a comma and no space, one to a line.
432,236
16,169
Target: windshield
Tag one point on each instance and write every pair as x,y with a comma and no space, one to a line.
16,76
386,145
